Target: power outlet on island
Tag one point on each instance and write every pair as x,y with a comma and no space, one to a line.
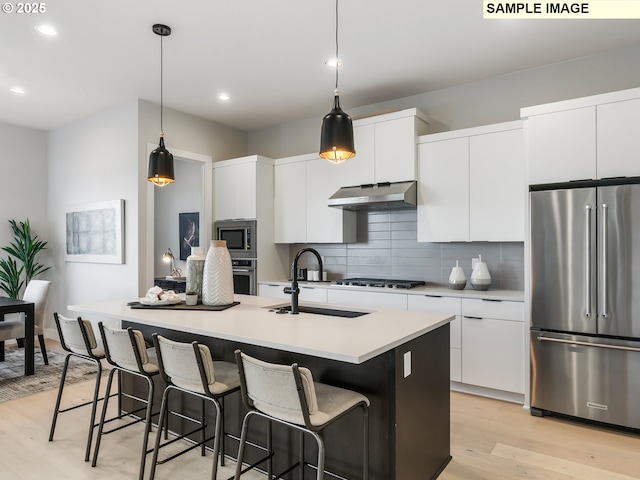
407,364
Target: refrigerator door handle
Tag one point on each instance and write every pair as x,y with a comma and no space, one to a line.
587,344
605,216
588,260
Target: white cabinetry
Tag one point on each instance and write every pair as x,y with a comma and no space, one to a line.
585,138
562,146
236,184
471,185
493,344
303,184
359,298
386,146
438,304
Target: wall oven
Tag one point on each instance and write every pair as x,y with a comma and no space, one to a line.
240,236
245,281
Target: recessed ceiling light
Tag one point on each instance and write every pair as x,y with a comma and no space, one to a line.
17,90
47,30
333,63
224,96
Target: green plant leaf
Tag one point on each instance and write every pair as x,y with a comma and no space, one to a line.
10,281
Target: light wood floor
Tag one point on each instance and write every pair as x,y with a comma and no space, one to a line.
490,440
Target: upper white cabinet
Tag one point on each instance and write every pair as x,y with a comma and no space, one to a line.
386,147
618,142
471,185
562,146
585,138
303,184
237,185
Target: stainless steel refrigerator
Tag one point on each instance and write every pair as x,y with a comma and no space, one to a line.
585,300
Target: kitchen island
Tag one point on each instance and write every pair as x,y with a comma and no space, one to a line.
399,359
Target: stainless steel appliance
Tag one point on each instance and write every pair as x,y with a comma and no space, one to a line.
585,300
379,282
378,196
240,236
245,281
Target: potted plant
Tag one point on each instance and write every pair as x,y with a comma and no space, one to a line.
191,297
22,258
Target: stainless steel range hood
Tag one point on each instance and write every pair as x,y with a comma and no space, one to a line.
379,196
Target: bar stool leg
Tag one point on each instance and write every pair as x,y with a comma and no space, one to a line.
318,438
147,428
105,403
365,460
202,432
301,454
222,449
243,441
94,407
216,440
161,419
57,407
269,449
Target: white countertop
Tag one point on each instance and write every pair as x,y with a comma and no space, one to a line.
352,340
434,290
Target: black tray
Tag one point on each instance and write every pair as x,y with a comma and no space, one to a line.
181,306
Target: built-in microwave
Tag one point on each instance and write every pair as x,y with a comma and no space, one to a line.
240,236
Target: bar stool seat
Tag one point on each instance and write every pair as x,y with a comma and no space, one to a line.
79,341
190,369
126,351
288,395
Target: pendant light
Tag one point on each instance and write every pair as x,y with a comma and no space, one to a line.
161,159
336,138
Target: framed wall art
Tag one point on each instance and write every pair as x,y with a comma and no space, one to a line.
189,226
95,233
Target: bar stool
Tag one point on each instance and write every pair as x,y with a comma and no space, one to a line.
127,352
77,338
189,368
288,395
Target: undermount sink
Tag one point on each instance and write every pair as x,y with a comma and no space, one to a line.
319,311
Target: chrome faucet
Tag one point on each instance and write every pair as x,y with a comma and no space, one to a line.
294,290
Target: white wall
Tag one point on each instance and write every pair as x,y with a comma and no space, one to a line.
484,102
24,188
92,160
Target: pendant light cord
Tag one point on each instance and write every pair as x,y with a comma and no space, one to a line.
337,57
161,86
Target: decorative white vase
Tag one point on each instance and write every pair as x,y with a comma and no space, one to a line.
480,277
457,279
195,270
217,279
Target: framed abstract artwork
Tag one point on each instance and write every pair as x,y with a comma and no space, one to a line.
95,233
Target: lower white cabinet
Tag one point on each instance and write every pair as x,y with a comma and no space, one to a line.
307,293
358,298
439,304
493,344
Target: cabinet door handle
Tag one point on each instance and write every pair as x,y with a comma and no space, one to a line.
434,296
473,318
491,300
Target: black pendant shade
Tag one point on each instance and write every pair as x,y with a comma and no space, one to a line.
161,166
161,160
336,137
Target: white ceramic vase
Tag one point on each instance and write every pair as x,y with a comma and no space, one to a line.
480,277
217,279
195,270
457,279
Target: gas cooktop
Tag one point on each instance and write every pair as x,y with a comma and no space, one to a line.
378,282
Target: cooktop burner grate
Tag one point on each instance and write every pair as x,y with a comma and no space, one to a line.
380,282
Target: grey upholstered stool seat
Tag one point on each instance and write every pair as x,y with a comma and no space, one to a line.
189,368
287,394
78,339
125,349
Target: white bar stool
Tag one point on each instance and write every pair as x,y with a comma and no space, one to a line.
125,349
77,338
288,395
189,368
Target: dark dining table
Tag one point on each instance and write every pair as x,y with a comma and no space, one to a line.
11,305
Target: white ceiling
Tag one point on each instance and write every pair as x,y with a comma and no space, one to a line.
268,55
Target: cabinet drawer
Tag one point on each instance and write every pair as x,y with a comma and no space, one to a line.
455,361
501,310
368,299
436,304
